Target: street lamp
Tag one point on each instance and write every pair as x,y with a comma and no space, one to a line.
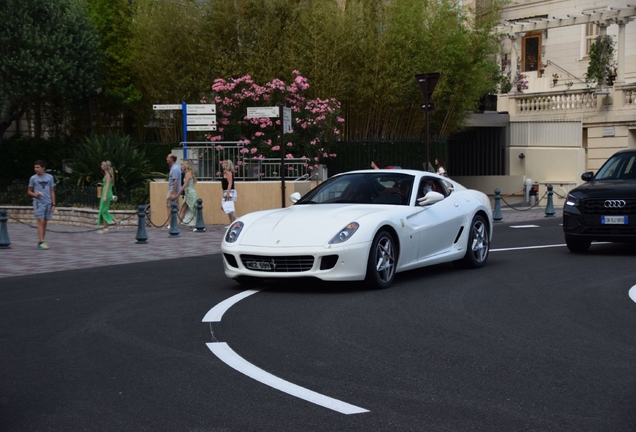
427,83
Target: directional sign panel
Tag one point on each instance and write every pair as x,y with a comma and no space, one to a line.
201,128
261,112
287,120
167,107
201,109
201,120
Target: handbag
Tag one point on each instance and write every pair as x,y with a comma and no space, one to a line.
228,206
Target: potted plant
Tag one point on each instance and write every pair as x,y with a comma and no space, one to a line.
601,63
542,67
520,81
531,61
569,84
555,78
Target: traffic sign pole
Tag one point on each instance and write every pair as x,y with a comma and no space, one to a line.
282,154
184,114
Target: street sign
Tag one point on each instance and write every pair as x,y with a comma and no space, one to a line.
201,128
201,120
287,120
167,107
261,112
201,109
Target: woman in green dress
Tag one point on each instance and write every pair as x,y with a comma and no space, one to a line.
189,208
104,217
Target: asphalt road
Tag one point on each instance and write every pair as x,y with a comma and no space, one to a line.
538,340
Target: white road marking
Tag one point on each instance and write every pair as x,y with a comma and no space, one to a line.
632,293
223,351
526,247
215,314
525,226
229,357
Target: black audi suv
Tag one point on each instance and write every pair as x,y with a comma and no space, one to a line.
604,207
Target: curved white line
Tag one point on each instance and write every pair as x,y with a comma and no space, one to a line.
215,314
632,293
229,357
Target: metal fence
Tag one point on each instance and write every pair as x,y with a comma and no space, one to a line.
206,161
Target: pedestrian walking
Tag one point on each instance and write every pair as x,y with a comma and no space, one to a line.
41,189
441,168
189,206
106,197
229,193
174,184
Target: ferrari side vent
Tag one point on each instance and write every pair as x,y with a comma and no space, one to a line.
328,262
459,234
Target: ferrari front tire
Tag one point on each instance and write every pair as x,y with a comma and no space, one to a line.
478,244
382,261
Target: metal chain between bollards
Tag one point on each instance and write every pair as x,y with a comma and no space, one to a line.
64,232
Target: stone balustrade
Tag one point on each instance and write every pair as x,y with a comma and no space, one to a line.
574,101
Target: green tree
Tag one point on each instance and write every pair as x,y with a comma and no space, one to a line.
113,22
363,53
48,57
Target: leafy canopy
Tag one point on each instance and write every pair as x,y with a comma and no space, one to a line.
49,54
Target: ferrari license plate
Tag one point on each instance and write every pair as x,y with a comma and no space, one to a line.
258,265
614,220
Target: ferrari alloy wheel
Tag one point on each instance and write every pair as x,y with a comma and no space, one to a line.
478,245
382,260
578,245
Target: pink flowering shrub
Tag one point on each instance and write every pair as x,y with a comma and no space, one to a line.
314,121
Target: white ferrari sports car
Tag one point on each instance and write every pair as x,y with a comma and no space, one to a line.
362,225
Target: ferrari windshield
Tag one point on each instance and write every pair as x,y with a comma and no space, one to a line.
621,166
363,188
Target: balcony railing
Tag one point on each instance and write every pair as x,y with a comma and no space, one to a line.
570,101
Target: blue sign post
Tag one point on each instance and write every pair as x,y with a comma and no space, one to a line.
184,115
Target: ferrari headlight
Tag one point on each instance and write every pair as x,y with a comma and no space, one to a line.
572,201
232,234
345,233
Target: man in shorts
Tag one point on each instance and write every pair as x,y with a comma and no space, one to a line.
174,183
41,190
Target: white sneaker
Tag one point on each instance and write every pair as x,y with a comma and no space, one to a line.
102,231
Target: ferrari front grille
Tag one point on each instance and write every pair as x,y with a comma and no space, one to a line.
278,264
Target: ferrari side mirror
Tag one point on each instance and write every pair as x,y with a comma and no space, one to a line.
430,198
294,197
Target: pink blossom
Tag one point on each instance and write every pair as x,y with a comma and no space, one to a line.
275,148
219,147
289,156
253,150
244,150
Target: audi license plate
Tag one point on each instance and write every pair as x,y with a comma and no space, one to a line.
258,265
614,220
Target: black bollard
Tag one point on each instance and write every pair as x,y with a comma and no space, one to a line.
174,221
496,215
4,234
142,237
200,226
549,208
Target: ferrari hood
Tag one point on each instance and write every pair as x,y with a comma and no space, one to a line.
302,225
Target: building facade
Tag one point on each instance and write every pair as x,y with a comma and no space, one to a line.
557,125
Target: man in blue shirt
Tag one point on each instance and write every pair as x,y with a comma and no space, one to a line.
41,190
174,183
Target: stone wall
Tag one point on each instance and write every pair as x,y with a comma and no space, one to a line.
69,216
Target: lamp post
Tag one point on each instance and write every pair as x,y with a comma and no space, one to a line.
427,83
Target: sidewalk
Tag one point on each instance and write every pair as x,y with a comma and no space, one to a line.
79,247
